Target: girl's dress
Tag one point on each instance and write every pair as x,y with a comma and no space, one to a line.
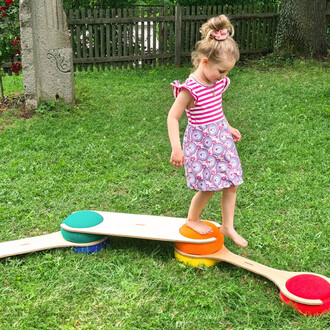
211,159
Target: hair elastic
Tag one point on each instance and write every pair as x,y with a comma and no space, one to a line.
220,34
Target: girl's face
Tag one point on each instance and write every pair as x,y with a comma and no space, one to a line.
215,71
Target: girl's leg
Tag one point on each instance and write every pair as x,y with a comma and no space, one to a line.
197,205
228,202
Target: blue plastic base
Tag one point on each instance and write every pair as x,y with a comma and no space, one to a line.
91,249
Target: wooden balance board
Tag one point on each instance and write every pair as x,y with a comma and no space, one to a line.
139,226
43,242
308,293
278,277
91,238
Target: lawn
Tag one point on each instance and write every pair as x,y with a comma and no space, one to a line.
111,152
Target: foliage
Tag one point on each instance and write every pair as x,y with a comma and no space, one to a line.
9,34
10,42
112,152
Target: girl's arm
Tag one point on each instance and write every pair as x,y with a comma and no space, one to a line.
183,101
234,132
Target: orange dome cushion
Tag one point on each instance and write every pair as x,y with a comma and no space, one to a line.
200,249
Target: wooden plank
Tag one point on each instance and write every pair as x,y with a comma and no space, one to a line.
113,33
186,30
231,16
264,29
78,34
178,34
253,32
71,30
196,35
166,11
259,29
39,243
117,20
136,39
140,226
96,39
269,29
160,36
249,29
84,34
107,36
193,36
90,39
148,33
120,38
102,37
130,38
125,39
278,277
238,27
117,59
142,39
274,26
230,12
172,41
154,35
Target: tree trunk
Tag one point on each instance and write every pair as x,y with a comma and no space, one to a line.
302,28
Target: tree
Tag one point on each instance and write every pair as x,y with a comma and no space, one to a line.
302,28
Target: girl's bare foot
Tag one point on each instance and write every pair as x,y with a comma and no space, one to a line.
238,239
199,226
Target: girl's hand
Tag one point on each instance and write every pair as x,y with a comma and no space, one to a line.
235,133
177,158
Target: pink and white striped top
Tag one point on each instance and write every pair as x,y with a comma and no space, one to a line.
208,100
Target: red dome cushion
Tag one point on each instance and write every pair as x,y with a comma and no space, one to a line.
309,286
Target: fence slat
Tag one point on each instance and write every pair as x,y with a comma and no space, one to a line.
102,43
142,39
83,37
154,34
78,46
137,39
165,35
172,59
113,36
160,36
130,38
178,35
107,36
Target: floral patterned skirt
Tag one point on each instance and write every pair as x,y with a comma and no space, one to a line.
211,159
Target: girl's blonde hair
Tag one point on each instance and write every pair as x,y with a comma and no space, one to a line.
212,48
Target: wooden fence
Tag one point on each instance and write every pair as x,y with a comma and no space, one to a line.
136,37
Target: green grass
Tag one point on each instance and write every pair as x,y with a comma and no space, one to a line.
111,152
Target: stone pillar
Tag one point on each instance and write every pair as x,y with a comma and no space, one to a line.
47,57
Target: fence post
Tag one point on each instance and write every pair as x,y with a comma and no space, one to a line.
178,34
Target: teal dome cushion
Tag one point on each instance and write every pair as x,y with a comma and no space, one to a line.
82,219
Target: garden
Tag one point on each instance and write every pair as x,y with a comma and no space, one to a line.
110,152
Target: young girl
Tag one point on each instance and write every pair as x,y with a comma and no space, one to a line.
209,154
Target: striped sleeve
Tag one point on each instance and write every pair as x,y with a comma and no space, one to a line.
226,84
177,87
